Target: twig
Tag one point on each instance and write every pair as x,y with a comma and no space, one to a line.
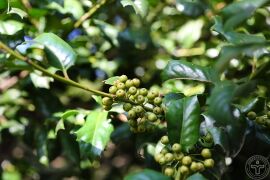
91,11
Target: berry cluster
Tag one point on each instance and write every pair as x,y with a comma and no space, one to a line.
173,159
263,120
143,107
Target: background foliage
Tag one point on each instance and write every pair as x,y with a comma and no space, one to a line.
215,53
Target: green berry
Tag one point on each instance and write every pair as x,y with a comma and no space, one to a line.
208,137
107,108
107,101
169,157
252,115
183,169
120,93
142,120
113,89
200,166
127,106
209,163
157,101
178,156
129,83
138,109
206,153
132,90
268,114
152,117
186,160
194,167
140,99
116,82
133,129
169,171
131,114
158,156
164,140
143,91
157,110
141,129
132,98
164,151
176,148
123,78
152,94
162,160
260,120
136,82
120,85
132,122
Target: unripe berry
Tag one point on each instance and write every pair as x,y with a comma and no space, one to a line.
123,78
209,163
132,98
251,115
140,99
116,82
107,108
268,114
208,138
136,82
113,89
131,114
194,167
133,129
164,151
132,122
162,160
107,101
183,169
164,140
127,106
200,166
138,109
206,153
151,95
120,85
178,156
157,110
176,147
169,171
152,117
132,90
158,156
129,83
186,160
260,120
142,120
169,157
141,129
120,93
157,101
143,91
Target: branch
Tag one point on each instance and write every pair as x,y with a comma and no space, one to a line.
91,11
55,76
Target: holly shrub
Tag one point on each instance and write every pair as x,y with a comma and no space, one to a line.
133,89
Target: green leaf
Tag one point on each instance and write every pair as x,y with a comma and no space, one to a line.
186,37
196,176
60,54
235,37
74,7
40,81
140,6
18,11
95,133
69,113
183,121
10,27
229,119
59,126
192,8
109,31
229,52
237,12
176,69
146,174
111,80
98,99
